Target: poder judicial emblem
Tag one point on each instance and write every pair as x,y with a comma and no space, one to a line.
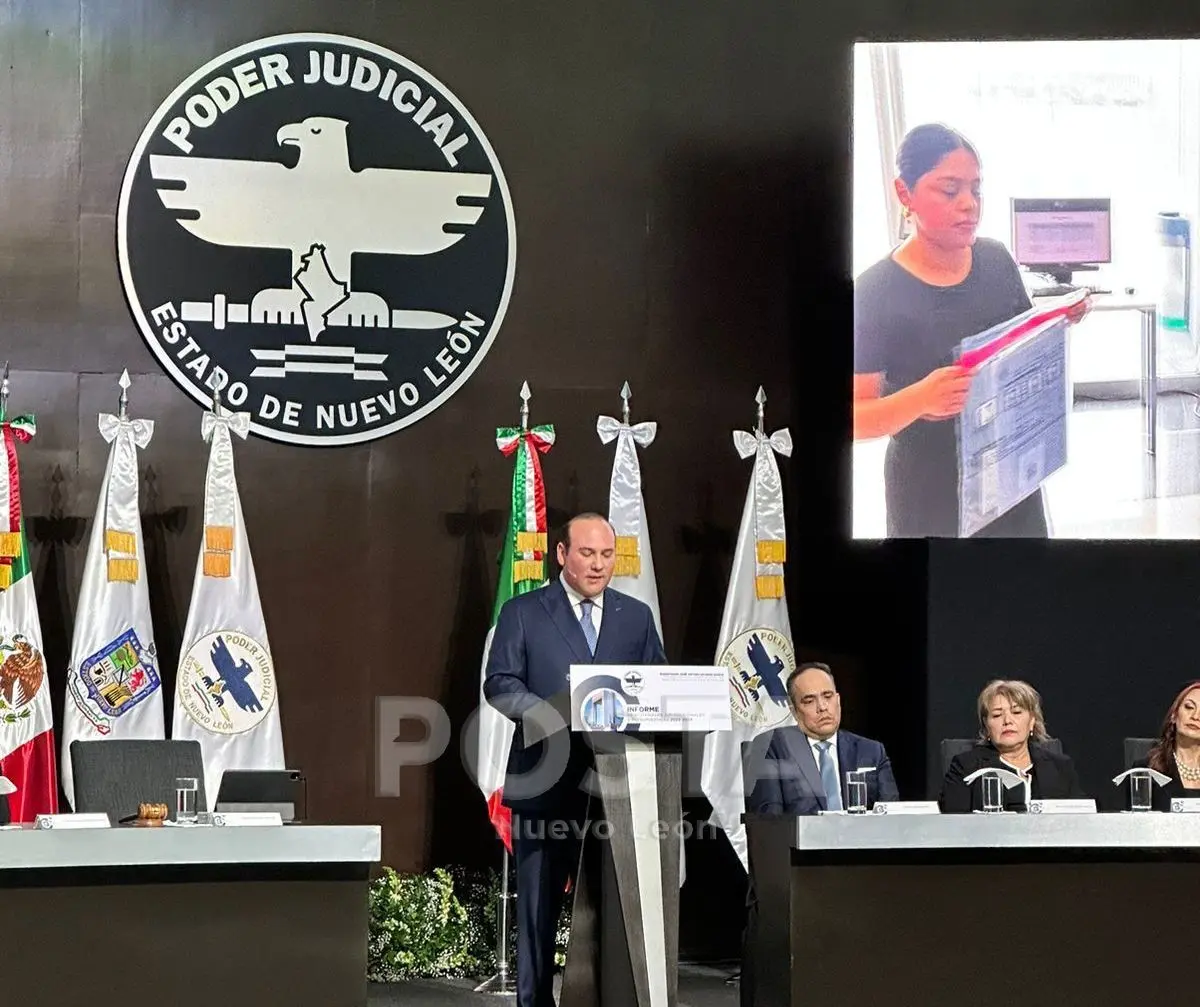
318,229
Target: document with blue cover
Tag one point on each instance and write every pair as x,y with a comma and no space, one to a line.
1012,433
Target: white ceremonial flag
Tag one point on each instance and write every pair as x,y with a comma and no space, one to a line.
634,572
113,684
756,635
226,691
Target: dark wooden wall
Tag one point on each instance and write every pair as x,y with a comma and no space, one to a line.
652,153
680,174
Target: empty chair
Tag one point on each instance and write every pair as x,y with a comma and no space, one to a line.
115,776
1137,749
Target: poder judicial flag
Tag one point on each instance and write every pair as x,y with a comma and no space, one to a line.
522,569
226,693
113,684
755,644
26,724
317,228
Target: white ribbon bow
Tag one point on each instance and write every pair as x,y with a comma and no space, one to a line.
110,426
642,433
625,504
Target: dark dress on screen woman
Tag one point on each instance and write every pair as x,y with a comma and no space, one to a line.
1053,776
905,328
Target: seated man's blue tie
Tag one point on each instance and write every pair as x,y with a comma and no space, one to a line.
829,780
585,620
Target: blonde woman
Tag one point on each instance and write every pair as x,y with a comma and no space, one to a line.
1012,736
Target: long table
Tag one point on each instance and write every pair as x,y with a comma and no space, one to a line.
991,911
239,916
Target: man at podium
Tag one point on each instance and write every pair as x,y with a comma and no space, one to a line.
576,619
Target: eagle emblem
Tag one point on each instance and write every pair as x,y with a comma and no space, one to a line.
759,662
227,682
22,671
318,229
319,204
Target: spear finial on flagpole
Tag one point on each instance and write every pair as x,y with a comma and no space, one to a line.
626,395
4,392
216,402
123,399
526,395
761,399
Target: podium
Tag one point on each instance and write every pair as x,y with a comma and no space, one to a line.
623,949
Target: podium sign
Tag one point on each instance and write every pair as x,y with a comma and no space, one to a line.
634,699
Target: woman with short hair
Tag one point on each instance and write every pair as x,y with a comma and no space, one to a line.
1012,737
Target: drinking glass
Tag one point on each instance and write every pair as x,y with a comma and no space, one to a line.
993,793
856,792
1140,785
185,798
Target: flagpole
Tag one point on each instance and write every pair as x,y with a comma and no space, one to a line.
502,982
4,394
123,400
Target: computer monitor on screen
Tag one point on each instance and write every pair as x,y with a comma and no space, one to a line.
1059,237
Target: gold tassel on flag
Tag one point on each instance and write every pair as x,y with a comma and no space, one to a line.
770,586
528,569
218,549
629,563
772,550
628,566
531,541
217,564
10,544
5,576
120,541
122,569
218,538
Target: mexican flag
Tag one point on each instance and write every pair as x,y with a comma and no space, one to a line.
26,726
522,569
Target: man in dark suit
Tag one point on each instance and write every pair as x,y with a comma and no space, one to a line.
803,772
576,619
805,766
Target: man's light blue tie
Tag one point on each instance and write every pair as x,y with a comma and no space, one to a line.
585,620
829,780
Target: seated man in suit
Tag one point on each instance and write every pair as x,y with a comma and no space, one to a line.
805,767
803,772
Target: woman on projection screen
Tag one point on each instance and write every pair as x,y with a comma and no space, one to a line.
911,310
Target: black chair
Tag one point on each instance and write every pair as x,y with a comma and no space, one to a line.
956,746
117,775
1137,748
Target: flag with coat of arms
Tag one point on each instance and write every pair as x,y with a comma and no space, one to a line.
226,693
113,684
522,569
755,642
28,774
